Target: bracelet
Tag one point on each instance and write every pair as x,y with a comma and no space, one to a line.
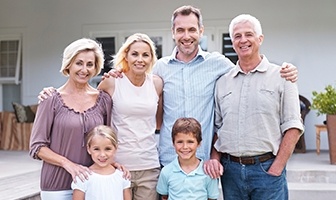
157,131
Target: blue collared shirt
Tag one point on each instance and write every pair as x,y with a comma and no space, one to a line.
188,91
196,185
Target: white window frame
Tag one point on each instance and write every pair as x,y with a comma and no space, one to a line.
16,78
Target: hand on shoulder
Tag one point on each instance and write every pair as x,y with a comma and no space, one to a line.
45,93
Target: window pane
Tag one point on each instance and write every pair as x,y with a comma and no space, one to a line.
108,44
3,46
12,59
3,59
158,44
227,48
8,58
13,46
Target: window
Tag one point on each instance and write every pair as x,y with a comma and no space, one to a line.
158,44
227,48
108,44
10,59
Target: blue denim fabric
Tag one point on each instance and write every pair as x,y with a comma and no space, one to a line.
252,182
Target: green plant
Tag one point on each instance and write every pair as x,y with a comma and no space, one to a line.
324,102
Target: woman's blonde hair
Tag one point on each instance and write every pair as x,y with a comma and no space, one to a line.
119,58
79,46
104,131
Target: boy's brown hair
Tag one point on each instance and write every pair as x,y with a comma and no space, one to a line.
187,125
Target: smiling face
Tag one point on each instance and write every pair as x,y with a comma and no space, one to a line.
246,42
186,145
187,34
83,67
102,151
139,57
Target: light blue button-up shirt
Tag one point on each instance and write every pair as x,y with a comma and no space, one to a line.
188,91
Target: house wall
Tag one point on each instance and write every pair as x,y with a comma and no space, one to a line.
301,32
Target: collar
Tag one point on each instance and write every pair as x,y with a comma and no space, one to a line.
198,170
262,67
200,54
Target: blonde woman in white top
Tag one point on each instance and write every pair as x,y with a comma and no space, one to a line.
136,113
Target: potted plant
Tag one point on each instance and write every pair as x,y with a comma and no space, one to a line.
325,103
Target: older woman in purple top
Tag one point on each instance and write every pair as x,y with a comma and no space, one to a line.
63,120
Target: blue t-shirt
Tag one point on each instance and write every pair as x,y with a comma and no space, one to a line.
196,185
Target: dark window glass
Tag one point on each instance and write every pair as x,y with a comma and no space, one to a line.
227,49
108,44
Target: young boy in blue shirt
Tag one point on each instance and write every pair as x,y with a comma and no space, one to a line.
184,177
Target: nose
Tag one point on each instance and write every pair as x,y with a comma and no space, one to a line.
186,34
84,67
140,58
102,154
185,145
243,38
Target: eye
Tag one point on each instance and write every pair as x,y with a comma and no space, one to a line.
179,30
90,64
134,54
249,34
146,55
193,30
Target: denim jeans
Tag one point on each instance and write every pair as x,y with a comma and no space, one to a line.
252,182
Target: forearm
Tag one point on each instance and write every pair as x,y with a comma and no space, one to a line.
214,153
51,157
286,149
159,114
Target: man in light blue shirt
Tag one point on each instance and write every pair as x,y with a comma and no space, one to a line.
189,92
189,75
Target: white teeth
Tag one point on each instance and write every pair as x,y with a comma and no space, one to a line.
82,75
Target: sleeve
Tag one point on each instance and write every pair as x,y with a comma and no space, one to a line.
107,107
218,117
156,68
162,185
212,188
127,183
79,185
290,113
42,126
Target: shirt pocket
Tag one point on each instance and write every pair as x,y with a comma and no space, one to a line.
267,101
225,102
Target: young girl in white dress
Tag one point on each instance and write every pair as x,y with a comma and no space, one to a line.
105,182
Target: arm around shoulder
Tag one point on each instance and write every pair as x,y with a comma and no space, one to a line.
107,85
158,83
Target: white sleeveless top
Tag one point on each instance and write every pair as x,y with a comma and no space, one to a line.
134,117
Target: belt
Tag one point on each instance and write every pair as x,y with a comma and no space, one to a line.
249,160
